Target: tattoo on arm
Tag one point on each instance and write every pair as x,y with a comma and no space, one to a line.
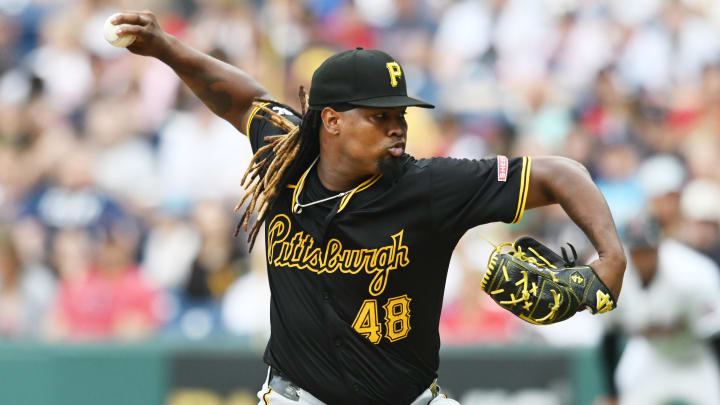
214,94
225,89
213,91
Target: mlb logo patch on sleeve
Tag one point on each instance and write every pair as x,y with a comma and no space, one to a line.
502,168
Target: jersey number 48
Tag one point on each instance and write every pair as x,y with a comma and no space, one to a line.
397,319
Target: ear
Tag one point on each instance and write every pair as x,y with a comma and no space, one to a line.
331,120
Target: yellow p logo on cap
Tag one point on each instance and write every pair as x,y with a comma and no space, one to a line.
395,72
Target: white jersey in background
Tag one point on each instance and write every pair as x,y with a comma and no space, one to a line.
668,322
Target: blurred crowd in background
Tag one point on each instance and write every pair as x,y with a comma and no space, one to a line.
117,186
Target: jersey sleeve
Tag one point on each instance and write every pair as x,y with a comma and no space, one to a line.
467,193
258,128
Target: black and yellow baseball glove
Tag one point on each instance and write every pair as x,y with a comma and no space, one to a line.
540,286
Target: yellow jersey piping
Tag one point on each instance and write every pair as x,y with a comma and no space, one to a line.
364,185
251,116
344,201
265,397
524,186
298,188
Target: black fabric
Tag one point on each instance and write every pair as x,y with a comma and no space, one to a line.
387,249
316,217
362,77
466,193
261,128
714,341
341,106
611,349
211,282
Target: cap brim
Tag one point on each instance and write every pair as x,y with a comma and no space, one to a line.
391,101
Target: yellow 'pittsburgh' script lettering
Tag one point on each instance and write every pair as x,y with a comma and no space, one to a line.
299,251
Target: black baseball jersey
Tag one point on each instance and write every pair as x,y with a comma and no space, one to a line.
357,282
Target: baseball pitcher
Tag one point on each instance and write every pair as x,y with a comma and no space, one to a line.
359,234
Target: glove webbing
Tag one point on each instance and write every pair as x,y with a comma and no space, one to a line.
525,293
518,254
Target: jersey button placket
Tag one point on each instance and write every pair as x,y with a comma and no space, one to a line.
325,295
338,342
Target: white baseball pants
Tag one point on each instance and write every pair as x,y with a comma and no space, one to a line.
268,396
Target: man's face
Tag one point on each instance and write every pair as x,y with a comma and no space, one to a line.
645,261
373,139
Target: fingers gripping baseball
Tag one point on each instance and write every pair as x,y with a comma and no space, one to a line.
150,39
142,18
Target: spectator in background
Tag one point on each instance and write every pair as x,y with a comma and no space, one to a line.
170,247
124,163
25,292
247,291
661,179
218,261
8,196
612,84
457,141
472,318
616,178
73,200
678,42
61,61
604,112
670,312
700,205
104,297
200,155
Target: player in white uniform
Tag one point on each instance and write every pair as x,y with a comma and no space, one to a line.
670,310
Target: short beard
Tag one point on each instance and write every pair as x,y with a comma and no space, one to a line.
391,167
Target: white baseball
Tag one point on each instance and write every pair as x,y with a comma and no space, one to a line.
110,30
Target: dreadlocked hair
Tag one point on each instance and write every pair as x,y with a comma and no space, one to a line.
277,162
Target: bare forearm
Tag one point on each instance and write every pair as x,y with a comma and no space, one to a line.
566,182
572,188
225,89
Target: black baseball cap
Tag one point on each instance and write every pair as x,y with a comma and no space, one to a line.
642,233
361,78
